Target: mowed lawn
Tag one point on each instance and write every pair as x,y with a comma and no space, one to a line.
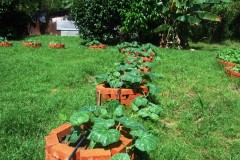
201,118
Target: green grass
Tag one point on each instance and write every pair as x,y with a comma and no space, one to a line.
201,104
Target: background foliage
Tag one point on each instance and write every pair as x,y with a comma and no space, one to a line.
15,15
229,28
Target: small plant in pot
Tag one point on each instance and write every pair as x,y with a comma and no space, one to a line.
107,129
138,63
124,45
4,42
125,84
229,57
95,44
54,44
233,71
32,43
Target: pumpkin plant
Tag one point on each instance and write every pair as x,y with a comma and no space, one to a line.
3,39
128,76
93,42
4,42
124,45
105,129
145,109
231,55
236,68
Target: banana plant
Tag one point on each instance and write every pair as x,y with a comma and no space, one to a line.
179,15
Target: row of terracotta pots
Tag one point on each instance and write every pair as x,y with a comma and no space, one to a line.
34,44
97,47
125,96
228,68
5,44
55,150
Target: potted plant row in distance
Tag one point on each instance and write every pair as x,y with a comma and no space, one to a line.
95,44
145,51
229,57
130,79
57,45
104,133
233,71
32,43
4,42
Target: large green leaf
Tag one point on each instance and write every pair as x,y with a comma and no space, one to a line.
163,27
104,136
119,111
112,106
153,89
138,133
74,136
189,19
144,112
208,16
88,109
154,116
146,142
79,118
116,83
100,123
155,108
132,78
120,156
130,123
102,78
140,101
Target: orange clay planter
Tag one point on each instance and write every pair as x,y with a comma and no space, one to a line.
221,61
145,70
5,44
229,64
100,46
125,96
232,73
55,150
32,44
56,45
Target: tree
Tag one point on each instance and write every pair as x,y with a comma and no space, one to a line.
178,16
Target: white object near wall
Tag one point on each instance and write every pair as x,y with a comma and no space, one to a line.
67,28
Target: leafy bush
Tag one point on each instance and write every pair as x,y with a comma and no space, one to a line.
231,55
97,19
228,29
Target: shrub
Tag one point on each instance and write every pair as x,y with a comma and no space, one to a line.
97,19
227,29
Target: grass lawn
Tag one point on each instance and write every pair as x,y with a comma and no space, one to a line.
201,104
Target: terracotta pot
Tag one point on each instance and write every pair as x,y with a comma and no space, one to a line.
145,70
5,44
232,73
229,64
221,61
56,45
125,96
100,46
147,59
32,44
55,150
